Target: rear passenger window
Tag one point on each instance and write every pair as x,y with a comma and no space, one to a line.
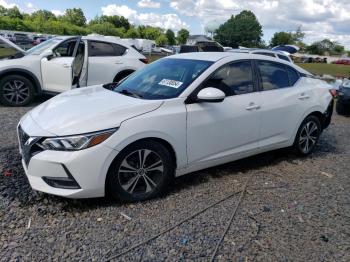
273,75
283,57
105,49
233,79
293,76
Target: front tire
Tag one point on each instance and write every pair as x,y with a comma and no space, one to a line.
307,136
141,171
16,90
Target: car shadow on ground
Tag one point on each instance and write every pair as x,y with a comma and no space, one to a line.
17,188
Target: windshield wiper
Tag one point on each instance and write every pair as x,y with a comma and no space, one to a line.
129,93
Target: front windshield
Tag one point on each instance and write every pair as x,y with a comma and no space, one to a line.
164,79
49,44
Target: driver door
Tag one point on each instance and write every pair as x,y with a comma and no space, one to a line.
57,71
224,131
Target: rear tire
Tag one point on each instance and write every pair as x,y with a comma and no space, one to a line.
341,109
307,136
16,90
141,171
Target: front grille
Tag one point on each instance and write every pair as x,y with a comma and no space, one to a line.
29,145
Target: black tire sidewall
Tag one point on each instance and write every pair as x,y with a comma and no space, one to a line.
296,145
25,80
113,186
340,107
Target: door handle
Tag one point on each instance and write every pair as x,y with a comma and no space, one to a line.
252,106
303,96
118,63
66,66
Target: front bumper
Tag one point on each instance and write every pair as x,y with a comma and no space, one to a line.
87,167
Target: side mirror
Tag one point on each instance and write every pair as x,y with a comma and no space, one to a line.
48,54
210,95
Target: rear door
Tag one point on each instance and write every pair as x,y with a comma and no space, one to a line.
283,102
105,60
57,71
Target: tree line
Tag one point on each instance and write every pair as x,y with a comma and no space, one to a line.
74,22
243,29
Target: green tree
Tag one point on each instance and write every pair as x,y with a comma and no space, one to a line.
182,36
117,21
161,40
170,37
132,33
326,46
282,38
43,15
241,30
75,16
14,13
151,33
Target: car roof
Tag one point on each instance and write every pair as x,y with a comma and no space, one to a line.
216,56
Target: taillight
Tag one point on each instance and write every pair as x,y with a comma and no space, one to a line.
333,92
144,60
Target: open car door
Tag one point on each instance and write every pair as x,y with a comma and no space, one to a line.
9,50
60,71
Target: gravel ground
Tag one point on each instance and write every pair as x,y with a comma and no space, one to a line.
293,210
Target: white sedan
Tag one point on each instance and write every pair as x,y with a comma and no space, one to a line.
63,63
177,115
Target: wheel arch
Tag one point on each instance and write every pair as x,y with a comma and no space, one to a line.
25,73
148,139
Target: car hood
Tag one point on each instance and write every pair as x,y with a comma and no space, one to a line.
89,109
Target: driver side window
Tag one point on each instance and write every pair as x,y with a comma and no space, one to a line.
233,79
65,49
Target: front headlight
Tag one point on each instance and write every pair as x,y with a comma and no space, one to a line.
77,142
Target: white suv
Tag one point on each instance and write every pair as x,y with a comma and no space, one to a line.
63,63
271,53
177,115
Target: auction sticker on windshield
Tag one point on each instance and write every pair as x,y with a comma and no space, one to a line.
170,83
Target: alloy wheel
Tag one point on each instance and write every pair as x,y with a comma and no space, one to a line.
15,91
308,137
141,172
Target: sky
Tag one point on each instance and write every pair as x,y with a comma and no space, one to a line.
319,18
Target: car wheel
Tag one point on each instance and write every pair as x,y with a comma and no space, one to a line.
307,137
341,110
142,171
16,90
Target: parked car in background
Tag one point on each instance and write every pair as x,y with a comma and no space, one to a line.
21,39
343,102
264,52
202,46
38,40
63,63
177,115
342,62
7,36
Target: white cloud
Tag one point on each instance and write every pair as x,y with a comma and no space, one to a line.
7,5
322,18
167,21
148,4
57,12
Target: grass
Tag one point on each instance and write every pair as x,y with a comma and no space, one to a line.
327,69
4,52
